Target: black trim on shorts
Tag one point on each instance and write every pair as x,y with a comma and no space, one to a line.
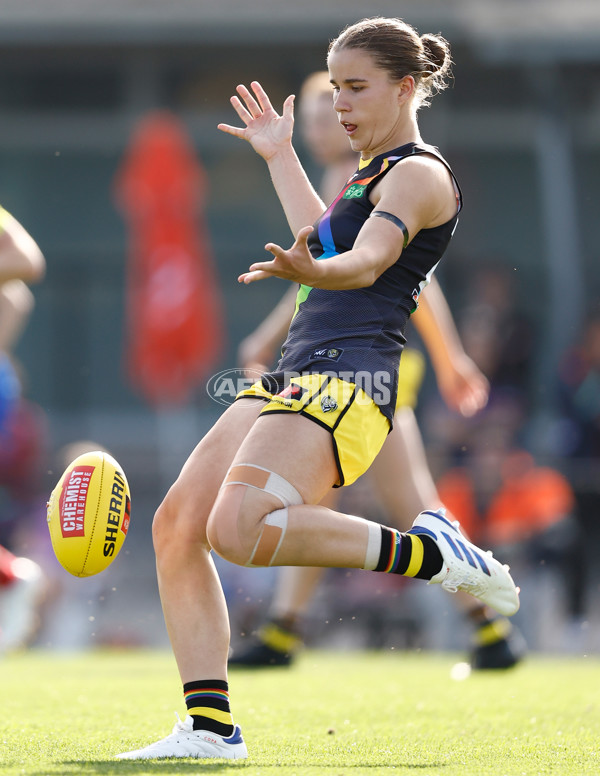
346,408
322,425
336,455
262,398
332,429
321,388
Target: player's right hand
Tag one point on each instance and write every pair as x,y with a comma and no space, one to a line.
265,130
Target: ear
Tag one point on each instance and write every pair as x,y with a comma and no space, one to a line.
406,89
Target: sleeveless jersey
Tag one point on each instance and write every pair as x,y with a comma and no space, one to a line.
358,334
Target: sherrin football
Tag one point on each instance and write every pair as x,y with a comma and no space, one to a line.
88,514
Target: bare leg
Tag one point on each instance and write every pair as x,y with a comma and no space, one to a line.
406,487
401,473
405,484
296,585
193,603
301,452
192,598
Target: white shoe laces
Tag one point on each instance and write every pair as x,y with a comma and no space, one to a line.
182,725
471,582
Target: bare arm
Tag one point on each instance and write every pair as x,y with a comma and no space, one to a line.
462,384
16,304
420,195
20,256
271,137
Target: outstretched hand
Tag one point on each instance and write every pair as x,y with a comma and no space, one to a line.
265,129
295,264
464,388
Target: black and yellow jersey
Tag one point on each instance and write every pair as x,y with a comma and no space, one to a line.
358,334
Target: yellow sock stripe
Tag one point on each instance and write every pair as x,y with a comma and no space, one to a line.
416,556
278,639
493,632
207,711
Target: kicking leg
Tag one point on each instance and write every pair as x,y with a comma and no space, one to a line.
252,524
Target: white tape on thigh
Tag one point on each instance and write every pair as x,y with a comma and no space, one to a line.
263,479
373,546
270,539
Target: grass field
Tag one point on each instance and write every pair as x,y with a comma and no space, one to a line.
332,714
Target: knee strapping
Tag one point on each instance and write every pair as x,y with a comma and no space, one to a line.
271,537
274,525
262,479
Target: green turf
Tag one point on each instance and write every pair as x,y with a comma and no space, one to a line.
331,714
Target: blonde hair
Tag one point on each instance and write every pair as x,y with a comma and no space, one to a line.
316,84
399,49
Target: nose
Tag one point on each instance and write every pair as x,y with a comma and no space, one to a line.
339,104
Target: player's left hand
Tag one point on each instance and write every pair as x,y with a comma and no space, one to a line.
295,264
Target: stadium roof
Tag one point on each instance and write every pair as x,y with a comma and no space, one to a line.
500,28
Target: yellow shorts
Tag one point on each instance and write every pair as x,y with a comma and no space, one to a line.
410,378
357,425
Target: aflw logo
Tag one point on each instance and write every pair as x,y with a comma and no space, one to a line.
72,501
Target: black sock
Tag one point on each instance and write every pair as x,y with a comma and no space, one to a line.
410,555
207,703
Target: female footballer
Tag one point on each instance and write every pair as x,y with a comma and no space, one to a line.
250,490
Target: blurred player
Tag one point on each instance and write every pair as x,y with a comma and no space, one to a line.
21,263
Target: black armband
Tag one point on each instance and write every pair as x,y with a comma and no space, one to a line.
395,220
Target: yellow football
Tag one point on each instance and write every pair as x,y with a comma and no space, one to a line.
88,514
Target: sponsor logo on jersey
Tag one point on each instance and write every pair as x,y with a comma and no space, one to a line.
328,404
333,354
72,501
355,191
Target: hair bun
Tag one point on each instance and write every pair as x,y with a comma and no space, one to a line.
437,51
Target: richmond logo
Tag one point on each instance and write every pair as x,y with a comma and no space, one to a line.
328,404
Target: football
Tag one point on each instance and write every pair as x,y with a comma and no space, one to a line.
88,514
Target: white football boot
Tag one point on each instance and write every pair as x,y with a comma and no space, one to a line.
184,741
466,567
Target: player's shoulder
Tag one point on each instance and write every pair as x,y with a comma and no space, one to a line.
419,173
426,163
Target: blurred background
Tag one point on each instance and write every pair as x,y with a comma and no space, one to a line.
82,83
